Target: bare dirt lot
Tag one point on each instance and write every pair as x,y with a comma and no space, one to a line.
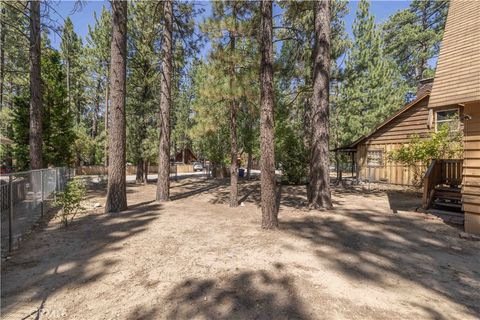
372,257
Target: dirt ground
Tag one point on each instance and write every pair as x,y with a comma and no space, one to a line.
372,257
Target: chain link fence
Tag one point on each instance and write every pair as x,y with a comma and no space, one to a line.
24,198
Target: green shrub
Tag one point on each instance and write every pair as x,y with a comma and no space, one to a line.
70,200
291,157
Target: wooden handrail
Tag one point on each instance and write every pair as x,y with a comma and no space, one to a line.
440,171
429,183
452,171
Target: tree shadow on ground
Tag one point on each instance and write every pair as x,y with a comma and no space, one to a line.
288,196
70,257
368,245
246,295
191,189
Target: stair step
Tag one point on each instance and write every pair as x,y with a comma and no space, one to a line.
448,189
457,206
451,198
447,194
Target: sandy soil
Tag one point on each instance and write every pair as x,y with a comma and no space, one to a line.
372,257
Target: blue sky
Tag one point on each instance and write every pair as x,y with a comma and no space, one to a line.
82,18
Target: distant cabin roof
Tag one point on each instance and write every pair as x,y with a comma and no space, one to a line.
352,147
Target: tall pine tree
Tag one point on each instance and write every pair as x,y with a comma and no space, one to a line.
373,88
36,108
412,37
267,139
230,30
163,183
97,62
116,188
319,181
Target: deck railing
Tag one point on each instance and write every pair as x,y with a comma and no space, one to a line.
441,171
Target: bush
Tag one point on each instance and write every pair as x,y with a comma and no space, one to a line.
70,200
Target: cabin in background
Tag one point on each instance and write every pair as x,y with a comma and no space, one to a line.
186,156
370,153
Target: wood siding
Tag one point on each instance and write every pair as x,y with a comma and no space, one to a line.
389,137
457,78
471,169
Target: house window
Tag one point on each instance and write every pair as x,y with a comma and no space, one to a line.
375,158
446,117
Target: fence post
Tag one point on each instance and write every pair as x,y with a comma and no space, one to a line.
41,191
10,213
56,185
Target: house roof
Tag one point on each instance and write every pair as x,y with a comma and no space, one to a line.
351,147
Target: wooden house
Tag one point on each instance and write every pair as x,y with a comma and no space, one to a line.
186,156
370,152
452,184
456,88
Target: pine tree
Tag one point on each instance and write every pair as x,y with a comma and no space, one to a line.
2,52
35,139
163,184
295,81
373,88
319,183
14,55
230,30
97,62
116,188
73,57
267,159
412,37
58,119
143,78
210,129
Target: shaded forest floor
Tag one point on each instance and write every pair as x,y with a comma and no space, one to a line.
196,258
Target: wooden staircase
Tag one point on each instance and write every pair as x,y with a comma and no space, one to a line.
447,198
442,185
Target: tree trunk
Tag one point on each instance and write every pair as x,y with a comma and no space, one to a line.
145,171
2,55
107,84
267,157
116,189
163,184
233,156
233,124
319,183
139,174
69,99
35,139
249,165
95,121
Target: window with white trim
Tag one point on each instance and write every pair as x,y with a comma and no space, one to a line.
375,158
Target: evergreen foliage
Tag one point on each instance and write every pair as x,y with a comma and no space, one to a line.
412,38
58,131
373,88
